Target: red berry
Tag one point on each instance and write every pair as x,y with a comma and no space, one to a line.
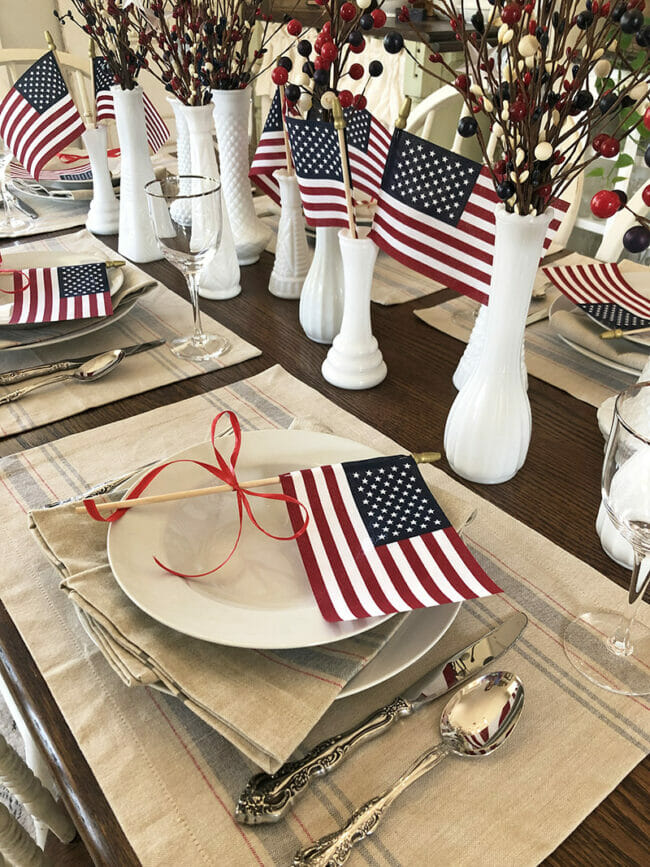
461,83
610,147
356,71
544,192
348,11
511,14
435,57
598,141
500,167
517,111
645,195
605,9
321,63
604,204
321,2
345,98
357,49
360,102
326,28
279,75
646,118
379,17
329,52
294,27
532,26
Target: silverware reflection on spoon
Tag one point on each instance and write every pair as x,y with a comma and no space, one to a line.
475,722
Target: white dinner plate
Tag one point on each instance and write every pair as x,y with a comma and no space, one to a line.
59,165
640,281
261,598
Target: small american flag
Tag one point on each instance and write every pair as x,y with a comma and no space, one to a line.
57,294
602,291
38,117
157,130
368,143
270,154
377,541
317,161
436,215
81,172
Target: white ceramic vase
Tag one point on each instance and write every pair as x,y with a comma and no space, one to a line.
137,241
321,301
104,210
219,278
354,360
231,113
489,424
291,252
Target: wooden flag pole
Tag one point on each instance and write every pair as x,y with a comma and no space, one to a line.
93,107
404,112
619,332
339,126
287,149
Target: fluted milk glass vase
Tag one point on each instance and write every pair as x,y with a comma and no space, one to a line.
291,252
321,301
104,212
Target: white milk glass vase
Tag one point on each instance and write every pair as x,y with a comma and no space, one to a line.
489,424
231,113
354,360
219,278
472,354
137,241
291,253
104,210
321,301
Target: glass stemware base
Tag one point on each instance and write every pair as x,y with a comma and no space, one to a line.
610,664
11,223
201,348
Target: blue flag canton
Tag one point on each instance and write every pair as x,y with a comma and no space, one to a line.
315,149
393,499
429,178
75,280
357,130
104,78
274,117
86,175
615,316
42,85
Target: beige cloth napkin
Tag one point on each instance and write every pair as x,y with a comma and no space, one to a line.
231,689
577,327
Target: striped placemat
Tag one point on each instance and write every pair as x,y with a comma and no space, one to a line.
172,781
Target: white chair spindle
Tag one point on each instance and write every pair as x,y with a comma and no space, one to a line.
15,843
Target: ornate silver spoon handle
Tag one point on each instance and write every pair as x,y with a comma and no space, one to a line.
267,797
14,376
334,849
21,392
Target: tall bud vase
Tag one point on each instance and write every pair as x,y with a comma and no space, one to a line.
321,300
354,360
104,211
136,237
472,354
219,278
489,425
291,252
231,112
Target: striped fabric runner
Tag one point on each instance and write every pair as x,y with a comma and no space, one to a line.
181,810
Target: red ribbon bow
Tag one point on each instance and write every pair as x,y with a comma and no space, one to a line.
16,288
74,158
225,472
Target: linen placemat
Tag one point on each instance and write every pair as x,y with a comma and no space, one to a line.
172,781
159,313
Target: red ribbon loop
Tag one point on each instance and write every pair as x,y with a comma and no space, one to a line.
74,158
16,289
225,472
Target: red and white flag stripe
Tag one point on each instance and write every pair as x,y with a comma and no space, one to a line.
367,169
269,156
42,301
598,283
324,202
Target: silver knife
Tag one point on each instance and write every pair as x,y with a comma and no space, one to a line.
23,206
268,797
14,376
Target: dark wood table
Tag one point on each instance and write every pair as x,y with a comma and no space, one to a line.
557,493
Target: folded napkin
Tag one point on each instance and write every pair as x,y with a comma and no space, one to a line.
577,327
264,702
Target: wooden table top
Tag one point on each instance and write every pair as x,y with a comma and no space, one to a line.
556,493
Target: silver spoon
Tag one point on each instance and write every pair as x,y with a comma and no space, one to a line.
476,721
89,371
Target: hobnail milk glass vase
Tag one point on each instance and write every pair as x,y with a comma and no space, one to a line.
104,211
489,425
137,241
219,278
291,252
231,113
321,301
354,360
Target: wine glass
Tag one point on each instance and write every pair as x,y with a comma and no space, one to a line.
9,221
186,214
611,648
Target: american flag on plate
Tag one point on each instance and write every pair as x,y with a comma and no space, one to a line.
81,172
601,290
436,215
368,143
38,117
317,161
57,294
157,130
270,154
377,541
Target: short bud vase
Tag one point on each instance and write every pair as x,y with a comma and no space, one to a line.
291,253
104,211
489,425
354,360
321,301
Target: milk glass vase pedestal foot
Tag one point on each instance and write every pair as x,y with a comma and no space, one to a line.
231,113
354,360
291,253
489,424
219,278
321,301
136,240
104,211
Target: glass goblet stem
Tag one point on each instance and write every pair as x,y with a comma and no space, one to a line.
192,278
620,641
